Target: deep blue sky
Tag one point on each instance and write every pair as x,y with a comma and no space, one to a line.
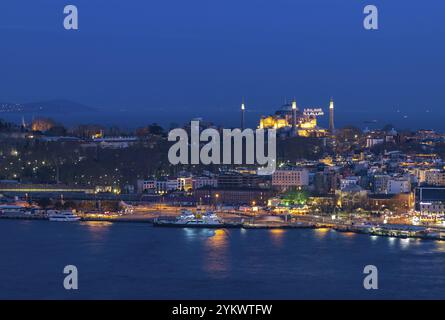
152,60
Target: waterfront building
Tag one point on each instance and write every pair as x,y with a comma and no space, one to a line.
430,203
23,189
290,177
232,196
352,197
396,203
229,180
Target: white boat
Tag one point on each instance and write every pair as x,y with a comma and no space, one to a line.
12,210
189,219
63,216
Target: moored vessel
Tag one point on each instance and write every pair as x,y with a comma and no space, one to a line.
207,219
62,216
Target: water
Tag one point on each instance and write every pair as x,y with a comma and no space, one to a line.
132,260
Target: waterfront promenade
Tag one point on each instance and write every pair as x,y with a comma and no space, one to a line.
263,220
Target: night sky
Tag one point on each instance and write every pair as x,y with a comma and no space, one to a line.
171,60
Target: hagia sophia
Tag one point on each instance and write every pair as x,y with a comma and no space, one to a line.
289,120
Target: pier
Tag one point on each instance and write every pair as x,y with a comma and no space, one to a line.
385,230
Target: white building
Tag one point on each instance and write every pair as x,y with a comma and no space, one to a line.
116,142
185,183
290,177
371,142
200,182
163,186
349,181
144,185
399,185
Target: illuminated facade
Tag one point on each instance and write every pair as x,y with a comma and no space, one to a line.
289,118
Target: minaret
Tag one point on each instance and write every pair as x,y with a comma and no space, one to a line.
294,117
242,114
331,116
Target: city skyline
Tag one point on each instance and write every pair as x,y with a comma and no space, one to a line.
189,59
222,150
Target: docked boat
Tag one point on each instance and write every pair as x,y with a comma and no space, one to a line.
187,218
13,210
63,216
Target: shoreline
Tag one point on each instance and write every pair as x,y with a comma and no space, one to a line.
382,232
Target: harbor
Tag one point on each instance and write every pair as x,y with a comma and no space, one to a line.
186,218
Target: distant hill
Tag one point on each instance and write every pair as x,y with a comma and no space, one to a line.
50,106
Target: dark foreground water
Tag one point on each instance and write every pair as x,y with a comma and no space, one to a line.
130,260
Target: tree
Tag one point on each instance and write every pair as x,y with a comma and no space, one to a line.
43,202
57,130
296,197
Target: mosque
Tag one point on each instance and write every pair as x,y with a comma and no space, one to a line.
289,120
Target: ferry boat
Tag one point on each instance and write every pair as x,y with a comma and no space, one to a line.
63,216
208,219
13,210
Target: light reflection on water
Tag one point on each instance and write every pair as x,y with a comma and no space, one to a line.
321,233
216,253
391,241
348,234
276,236
440,246
405,243
98,230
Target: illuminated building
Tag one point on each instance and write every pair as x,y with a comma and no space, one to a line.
232,196
290,177
42,124
291,120
430,203
433,177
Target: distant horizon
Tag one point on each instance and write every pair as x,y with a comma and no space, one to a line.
155,60
227,117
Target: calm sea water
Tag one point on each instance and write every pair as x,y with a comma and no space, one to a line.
131,260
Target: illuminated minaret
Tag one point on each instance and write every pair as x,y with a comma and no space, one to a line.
294,117
242,114
331,116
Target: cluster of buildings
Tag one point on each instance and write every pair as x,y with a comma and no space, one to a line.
355,171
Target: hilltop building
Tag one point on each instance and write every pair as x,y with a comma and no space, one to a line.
292,121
